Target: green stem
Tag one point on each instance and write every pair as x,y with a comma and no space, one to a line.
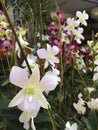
2,66
5,127
61,63
8,62
82,80
51,118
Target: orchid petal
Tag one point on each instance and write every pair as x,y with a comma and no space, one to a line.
95,77
46,64
96,68
68,124
78,13
96,62
49,49
51,62
73,127
42,53
32,107
17,99
42,100
55,50
26,125
55,59
19,77
35,76
24,118
48,82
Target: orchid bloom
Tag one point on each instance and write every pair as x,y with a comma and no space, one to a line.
31,60
6,43
71,127
90,89
93,104
30,87
31,98
90,43
23,44
72,24
78,35
95,76
82,17
45,37
25,118
79,106
49,55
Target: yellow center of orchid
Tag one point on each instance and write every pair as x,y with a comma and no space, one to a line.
30,91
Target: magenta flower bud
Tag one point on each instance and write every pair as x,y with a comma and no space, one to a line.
73,46
51,25
59,14
6,43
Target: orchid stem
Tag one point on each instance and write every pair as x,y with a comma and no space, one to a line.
2,66
61,62
8,62
82,79
16,38
51,119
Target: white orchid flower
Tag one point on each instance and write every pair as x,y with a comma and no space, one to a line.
23,44
89,89
93,104
82,17
30,87
71,127
90,43
25,118
79,106
78,35
31,60
49,55
45,37
72,24
31,98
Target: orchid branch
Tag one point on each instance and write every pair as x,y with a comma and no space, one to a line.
51,118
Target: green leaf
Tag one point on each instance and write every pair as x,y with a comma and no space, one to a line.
92,121
5,82
1,124
14,124
11,118
3,103
42,117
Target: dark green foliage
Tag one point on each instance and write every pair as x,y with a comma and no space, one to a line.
31,14
92,120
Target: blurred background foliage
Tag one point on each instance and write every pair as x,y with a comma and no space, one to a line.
34,15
